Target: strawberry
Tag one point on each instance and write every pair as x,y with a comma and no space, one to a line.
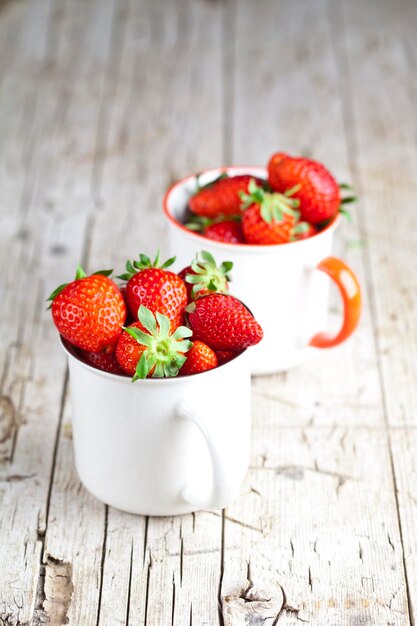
223,322
226,232
318,192
104,361
223,356
200,358
90,311
149,348
302,230
156,288
222,197
205,276
269,217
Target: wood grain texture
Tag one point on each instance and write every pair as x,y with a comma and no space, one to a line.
102,105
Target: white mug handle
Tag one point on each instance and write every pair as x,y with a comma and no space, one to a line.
222,490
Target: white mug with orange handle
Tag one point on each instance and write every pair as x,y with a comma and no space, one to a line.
286,286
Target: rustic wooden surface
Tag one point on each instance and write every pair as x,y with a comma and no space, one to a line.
102,104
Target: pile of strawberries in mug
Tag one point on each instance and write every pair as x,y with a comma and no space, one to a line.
157,323
299,198
162,324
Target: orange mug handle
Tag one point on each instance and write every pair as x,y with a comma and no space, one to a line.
350,291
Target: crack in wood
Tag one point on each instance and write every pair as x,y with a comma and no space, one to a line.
129,585
222,547
239,523
58,590
173,600
253,605
148,578
15,478
103,559
145,539
287,608
296,472
8,420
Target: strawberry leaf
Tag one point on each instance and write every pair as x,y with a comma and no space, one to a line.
182,332
163,323
349,200
103,273
80,273
293,190
159,370
147,319
140,336
345,213
56,292
142,368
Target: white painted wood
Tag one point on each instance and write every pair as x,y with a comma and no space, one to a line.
49,227
317,523
102,104
296,60
382,136
293,67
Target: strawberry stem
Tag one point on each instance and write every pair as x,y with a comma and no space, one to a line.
208,275
144,262
274,206
80,273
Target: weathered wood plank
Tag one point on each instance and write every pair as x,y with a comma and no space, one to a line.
317,524
382,132
404,446
104,103
152,570
382,136
53,218
284,82
297,70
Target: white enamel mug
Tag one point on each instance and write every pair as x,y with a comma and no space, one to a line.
284,285
161,446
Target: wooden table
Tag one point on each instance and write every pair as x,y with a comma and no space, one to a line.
104,103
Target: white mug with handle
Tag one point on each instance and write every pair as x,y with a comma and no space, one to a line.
286,286
163,446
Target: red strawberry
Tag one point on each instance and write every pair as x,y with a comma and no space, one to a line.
89,312
200,358
223,356
156,288
104,361
318,191
223,322
205,276
269,217
149,347
221,197
226,232
302,230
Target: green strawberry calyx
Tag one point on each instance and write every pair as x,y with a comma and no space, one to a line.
164,351
274,206
208,275
199,223
347,199
300,228
79,274
144,262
